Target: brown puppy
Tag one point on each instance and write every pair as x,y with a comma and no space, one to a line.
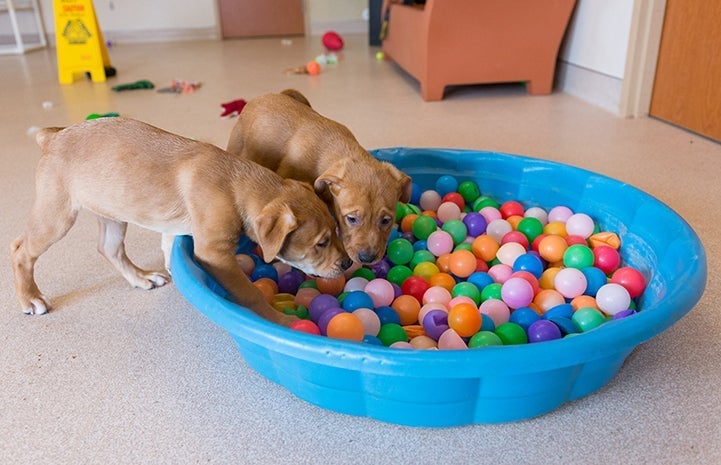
283,133
126,171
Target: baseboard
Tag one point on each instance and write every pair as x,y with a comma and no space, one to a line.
591,86
154,35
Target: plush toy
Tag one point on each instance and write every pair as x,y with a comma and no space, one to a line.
142,84
233,108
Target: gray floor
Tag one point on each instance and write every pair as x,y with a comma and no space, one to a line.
118,375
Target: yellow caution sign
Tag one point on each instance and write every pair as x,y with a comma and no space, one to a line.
80,45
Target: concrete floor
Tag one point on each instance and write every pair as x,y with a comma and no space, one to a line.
118,375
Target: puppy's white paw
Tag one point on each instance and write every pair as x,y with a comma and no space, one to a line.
38,306
153,279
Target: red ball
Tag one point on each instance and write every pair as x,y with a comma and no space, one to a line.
511,208
537,240
606,258
631,279
515,236
415,286
456,198
575,239
332,41
305,326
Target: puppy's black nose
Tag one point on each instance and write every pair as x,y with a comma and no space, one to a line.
347,263
366,257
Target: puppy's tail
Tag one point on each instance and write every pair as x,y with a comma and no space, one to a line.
45,135
292,93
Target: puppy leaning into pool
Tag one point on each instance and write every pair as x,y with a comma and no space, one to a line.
282,132
126,171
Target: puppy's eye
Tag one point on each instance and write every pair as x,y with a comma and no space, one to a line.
386,221
352,220
323,244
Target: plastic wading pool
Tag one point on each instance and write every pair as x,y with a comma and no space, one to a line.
487,385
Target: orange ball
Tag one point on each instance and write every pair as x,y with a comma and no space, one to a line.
485,247
514,220
407,222
584,301
548,276
313,68
305,295
443,262
552,247
430,213
462,263
556,228
346,326
547,299
332,286
443,280
465,319
407,308
268,287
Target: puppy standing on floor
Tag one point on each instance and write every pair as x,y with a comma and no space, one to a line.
126,171
283,133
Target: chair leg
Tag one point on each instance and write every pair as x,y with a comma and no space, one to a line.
542,85
432,92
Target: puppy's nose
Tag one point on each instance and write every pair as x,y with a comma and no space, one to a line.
347,263
366,257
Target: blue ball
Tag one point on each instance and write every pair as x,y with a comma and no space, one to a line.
416,194
562,310
530,263
524,317
487,323
480,279
368,339
595,278
566,325
420,245
395,234
357,299
264,270
387,315
446,184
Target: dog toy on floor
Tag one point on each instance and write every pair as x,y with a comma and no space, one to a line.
181,86
142,84
102,115
233,108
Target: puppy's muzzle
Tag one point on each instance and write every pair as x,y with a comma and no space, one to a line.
367,258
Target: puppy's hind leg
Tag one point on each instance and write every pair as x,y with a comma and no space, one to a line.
50,219
111,245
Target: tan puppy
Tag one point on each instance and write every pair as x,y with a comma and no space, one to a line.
283,133
126,171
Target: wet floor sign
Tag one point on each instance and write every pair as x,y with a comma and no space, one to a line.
80,45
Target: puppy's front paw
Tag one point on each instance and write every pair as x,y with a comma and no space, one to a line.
152,279
38,306
284,320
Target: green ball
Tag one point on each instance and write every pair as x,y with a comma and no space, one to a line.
308,283
415,209
492,291
400,251
457,229
467,289
511,334
423,226
392,332
464,246
587,318
421,256
578,256
469,191
484,339
530,227
365,273
401,211
398,274
484,201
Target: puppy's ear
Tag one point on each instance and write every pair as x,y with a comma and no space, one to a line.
331,181
272,226
403,181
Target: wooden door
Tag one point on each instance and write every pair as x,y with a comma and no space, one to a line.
687,88
253,18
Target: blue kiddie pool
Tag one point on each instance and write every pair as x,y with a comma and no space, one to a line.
491,384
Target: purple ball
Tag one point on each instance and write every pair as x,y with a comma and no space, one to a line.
409,237
326,317
435,323
381,268
543,330
320,304
397,291
289,282
475,223
623,314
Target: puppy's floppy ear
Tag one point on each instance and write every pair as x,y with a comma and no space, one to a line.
403,181
331,180
272,226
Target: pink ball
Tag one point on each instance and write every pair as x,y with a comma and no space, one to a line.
559,213
490,214
380,291
448,211
498,228
570,282
439,243
401,345
579,224
437,294
355,284
517,292
461,299
613,298
497,310
430,201
509,252
606,258
500,272
431,306
450,340
537,212
370,320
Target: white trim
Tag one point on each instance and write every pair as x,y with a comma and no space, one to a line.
349,26
589,85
